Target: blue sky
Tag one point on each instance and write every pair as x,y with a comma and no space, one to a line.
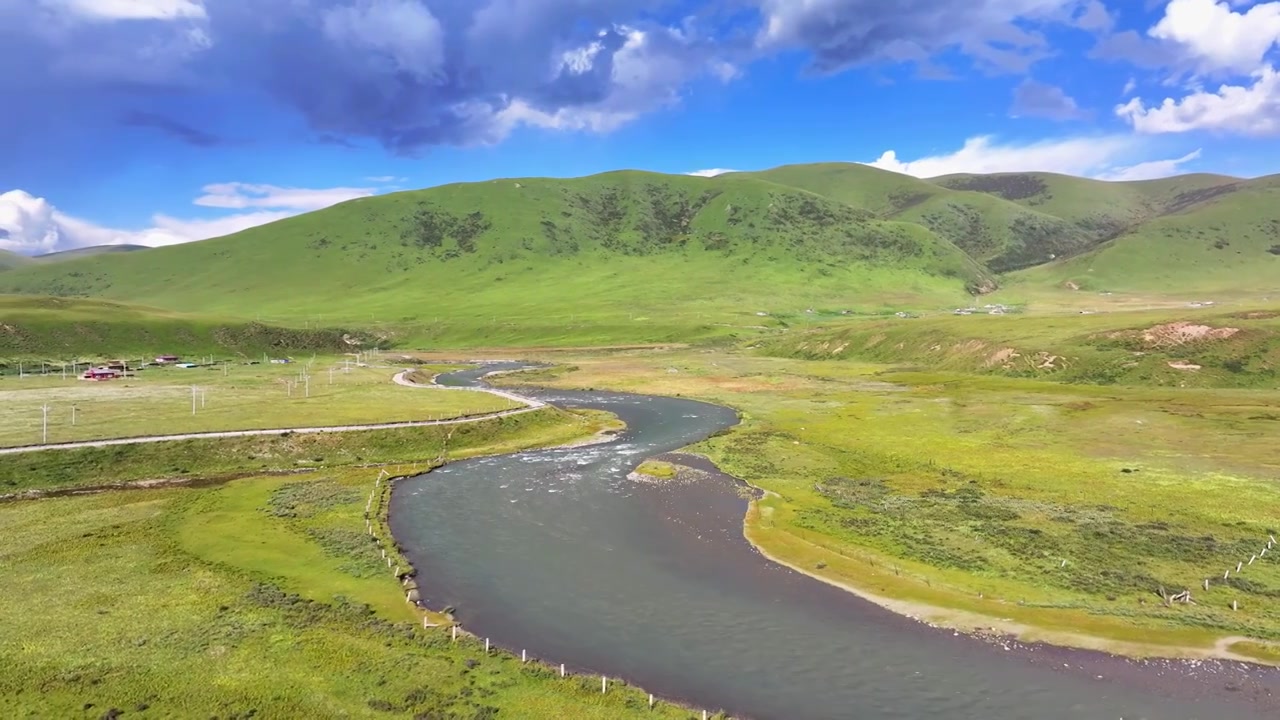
165,121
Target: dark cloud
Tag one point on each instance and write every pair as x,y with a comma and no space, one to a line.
997,34
415,73
1034,99
185,133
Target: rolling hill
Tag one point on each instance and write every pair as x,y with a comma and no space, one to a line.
87,252
627,255
11,260
643,257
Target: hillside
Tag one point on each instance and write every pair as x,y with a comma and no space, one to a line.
1223,240
628,255
51,329
643,257
87,252
11,260
1160,348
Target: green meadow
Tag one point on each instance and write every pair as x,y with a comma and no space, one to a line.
169,400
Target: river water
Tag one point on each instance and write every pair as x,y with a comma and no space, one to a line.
557,552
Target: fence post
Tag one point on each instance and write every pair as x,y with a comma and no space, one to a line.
561,669
650,701
604,684
524,657
486,645
454,632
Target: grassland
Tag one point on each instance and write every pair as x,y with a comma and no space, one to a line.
1205,347
229,396
56,330
261,597
1053,510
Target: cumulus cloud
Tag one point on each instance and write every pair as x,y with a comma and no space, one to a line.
1071,156
1219,38
33,226
1034,99
1252,109
406,73
711,172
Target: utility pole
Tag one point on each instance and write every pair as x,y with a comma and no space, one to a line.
44,425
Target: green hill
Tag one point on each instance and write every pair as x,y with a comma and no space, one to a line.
53,328
642,257
11,260
621,256
1222,237
87,252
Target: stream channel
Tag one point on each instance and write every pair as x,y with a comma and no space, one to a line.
558,552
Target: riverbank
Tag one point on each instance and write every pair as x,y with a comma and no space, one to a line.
1194,677
976,479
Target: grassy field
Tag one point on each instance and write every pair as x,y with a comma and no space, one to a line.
1055,510
260,598
1204,347
231,396
57,329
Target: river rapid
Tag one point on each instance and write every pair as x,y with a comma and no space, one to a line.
558,552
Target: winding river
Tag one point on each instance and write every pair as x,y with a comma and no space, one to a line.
558,552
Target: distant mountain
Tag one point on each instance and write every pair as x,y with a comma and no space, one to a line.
643,256
87,252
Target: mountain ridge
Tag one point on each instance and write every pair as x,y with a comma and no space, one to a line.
641,244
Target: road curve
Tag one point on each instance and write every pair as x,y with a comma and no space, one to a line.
400,379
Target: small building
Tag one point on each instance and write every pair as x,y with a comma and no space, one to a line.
166,359
100,373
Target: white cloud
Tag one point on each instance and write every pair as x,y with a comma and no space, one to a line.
404,31
1220,38
1149,170
247,195
1070,156
108,10
711,172
1129,86
33,226
1249,110
384,179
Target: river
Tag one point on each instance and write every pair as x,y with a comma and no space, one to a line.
559,553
